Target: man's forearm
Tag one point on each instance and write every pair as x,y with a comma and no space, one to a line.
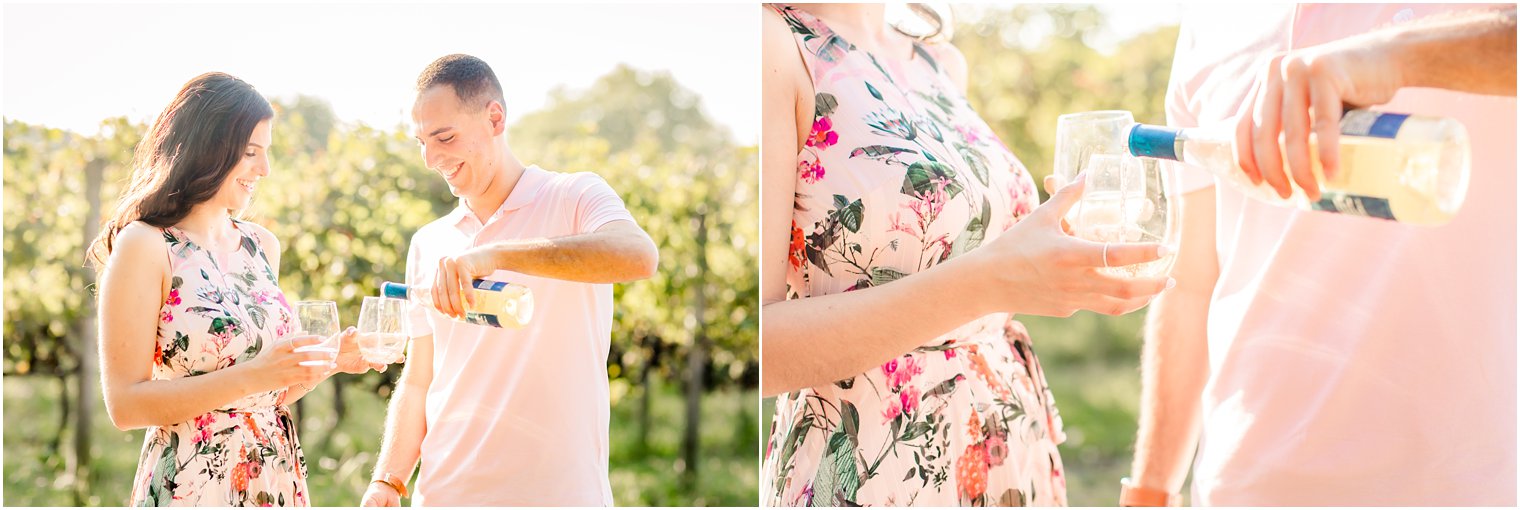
604,256
1468,52
1173,373
1174,358
405,426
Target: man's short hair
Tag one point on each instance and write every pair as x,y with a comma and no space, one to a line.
474,82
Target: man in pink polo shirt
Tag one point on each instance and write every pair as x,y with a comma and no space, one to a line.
1338,360
506,417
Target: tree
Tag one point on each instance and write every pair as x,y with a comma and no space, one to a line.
694,191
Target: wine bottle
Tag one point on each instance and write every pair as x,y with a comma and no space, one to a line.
496,304
1406,168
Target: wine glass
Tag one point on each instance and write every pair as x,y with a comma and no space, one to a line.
317,319
382,329
1127,199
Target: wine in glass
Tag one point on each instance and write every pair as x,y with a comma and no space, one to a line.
382,329
317,319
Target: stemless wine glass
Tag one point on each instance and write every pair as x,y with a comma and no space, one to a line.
317,319
1127,199
382,329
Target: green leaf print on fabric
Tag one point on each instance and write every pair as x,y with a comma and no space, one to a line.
975,232
257,314
849,418
976,160
837,479
922,176
885,275
849,213
252,351
224,325
824,104
161,487
872,89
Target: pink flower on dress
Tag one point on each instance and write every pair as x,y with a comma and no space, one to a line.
898,225
905,373
997,450
203,428
167,316
971,135
823,135
173,299
811,171
909,398
894,409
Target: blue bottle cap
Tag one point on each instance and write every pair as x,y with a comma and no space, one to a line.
393,290
1153,141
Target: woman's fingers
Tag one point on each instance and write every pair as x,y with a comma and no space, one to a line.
1062,200
304,341
1098,254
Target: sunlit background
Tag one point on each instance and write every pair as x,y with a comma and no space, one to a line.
661,100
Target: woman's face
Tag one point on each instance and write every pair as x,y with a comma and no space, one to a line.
237,190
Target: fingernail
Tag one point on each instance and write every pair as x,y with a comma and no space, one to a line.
1162,251
1170,282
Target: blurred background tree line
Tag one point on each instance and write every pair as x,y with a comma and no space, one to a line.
344,201
1029,64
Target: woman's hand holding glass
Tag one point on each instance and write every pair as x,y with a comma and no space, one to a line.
1038,268
291,362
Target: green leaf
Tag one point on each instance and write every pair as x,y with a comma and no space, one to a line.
849,417
850,215
824,104
874,93
837,479
257,314
975,231
914,431
920,178
976,160
252,350
885,275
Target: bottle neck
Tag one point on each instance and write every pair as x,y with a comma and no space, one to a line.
1158,142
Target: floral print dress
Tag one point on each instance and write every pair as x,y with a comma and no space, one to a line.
222,309
899,175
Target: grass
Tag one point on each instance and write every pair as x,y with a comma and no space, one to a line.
340,462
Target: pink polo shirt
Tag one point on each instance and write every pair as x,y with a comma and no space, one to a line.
1353,361
518,417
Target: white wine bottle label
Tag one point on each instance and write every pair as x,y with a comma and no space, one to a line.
1356,205
1373,124
480,318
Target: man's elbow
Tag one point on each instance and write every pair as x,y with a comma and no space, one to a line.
646,263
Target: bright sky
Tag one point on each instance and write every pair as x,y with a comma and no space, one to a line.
70,66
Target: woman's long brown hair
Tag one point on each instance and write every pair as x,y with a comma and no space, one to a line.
186,156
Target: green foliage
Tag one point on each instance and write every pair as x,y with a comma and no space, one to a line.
1020,86
675,167
339,455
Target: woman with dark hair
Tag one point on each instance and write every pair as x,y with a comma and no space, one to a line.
900,237
193,324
